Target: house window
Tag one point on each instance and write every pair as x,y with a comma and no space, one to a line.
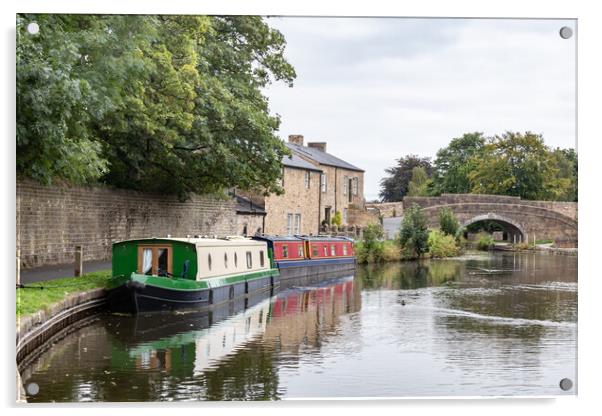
355,186
323,182
344,215
249,260
297,224
332,250
155,260
299,250
307,179
285,251
261,259
289,224
345,181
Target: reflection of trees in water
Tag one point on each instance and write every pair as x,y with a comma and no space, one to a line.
409,275
250,374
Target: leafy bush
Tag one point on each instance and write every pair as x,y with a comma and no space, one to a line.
448,222
370,249
413,235
442,245
484,241
337,219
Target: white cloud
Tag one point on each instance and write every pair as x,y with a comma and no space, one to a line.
378,89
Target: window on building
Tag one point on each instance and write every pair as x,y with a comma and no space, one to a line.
323,182
285,251
332,250
297,229
249,260
261,259
345,181
355,186
307,179
289,224
344,215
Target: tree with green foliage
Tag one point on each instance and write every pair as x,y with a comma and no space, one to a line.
395,185
448,222
419,184
337,219
517,164
454,163
156,103
567,164
413,235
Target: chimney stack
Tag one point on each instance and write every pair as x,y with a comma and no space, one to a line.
318,145
296,139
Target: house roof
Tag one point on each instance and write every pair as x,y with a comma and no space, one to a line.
246,206
294,161
322,157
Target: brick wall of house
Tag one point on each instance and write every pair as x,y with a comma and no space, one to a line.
51,221
297,199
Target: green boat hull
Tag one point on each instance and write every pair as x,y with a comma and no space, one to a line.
141,293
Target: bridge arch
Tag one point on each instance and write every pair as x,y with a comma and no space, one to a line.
512,228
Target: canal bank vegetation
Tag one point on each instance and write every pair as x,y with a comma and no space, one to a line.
414,241
39,296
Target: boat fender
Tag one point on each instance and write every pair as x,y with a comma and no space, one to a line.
137,286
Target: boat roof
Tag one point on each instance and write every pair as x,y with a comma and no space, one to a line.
301,238
202,241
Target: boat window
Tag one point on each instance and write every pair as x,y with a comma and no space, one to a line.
344,249
314,250
285,251
332,250
300,250
235,260
154,260
226,260
325,250
147,261
162,262
209,261
249,260
261,259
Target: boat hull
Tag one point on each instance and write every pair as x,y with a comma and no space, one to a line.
142,294
295,269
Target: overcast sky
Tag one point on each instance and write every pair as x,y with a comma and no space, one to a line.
379,89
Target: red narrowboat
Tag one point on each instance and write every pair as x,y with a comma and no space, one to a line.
302,256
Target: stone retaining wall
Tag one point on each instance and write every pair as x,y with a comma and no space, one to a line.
52,221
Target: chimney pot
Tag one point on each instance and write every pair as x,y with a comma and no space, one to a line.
318,145
296,139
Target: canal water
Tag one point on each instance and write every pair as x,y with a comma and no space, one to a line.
480,325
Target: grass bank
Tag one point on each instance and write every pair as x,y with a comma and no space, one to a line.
40,295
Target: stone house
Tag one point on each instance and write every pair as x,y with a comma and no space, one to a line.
341,183
316,183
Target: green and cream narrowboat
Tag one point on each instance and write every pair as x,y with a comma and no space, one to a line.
172,273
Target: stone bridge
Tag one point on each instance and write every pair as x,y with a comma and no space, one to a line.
522,220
